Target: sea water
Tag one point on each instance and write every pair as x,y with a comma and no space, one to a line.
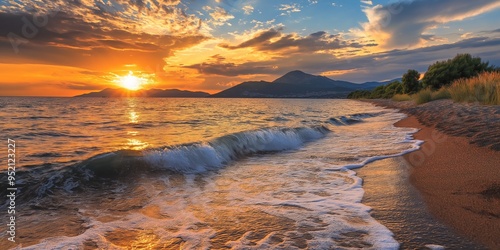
119,173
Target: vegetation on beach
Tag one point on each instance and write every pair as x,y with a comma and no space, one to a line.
444,73
484,88
383,91
427,95
462,79
401,97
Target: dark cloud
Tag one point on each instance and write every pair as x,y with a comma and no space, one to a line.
231,69
86,46
404,23
95,37
318,41
257,40
378,66
79,86
392,64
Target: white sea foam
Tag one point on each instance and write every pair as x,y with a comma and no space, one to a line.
435,247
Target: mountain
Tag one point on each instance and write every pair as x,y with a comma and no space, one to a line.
296,84
372,85
110,92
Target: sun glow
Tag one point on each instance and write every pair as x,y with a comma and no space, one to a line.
131,82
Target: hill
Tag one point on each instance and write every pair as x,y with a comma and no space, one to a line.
296,84
110,92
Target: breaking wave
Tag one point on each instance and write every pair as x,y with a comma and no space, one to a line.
189,158
351,119
201,157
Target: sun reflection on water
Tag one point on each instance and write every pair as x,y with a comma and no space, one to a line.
136,144
133,117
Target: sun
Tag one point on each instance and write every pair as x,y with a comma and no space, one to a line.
131,82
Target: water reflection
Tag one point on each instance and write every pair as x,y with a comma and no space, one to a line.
133,116
133,133
136,144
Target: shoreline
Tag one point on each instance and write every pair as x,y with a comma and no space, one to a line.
458,180
400,207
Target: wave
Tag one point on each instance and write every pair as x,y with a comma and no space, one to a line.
34,117
201,157
45,155
190,158
53,134
352,119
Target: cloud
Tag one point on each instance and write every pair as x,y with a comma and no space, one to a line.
289,8
392,64
48,79
260,38
248,9
367,2
232,69
94,34
402,24
220,16
273,40
372,67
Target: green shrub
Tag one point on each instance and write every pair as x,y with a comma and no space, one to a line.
359,94
401,97
444,73
423,96
442,93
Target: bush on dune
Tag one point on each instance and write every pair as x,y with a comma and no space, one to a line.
401,97
423,96
427,95
443,73
442,93
484,88
463,79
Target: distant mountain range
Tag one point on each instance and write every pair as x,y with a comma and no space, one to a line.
109,92
297,84
294,84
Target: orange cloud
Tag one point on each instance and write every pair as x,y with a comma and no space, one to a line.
48,80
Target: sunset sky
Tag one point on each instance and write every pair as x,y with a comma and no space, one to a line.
69,47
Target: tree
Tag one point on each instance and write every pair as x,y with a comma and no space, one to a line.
444,73
394,88
411,84
359,94
378,92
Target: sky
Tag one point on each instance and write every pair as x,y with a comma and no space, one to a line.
70,47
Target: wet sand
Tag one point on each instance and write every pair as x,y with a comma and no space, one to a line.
457,169
400,207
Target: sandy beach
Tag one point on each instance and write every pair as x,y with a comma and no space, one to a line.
457,168
399,206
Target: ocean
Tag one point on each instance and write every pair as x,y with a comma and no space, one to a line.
164,173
